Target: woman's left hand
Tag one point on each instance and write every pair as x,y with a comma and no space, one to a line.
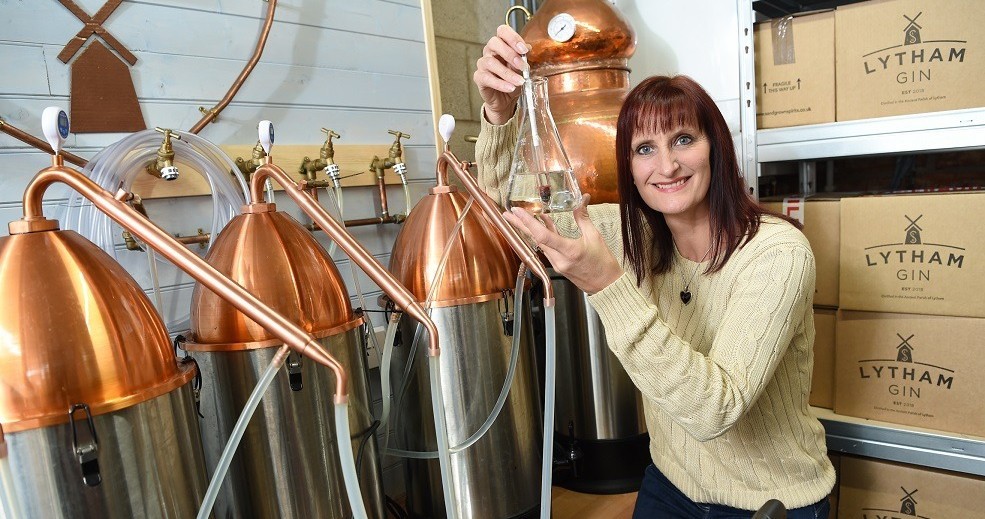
586,261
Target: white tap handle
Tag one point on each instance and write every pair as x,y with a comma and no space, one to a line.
446,125
54,125
265,131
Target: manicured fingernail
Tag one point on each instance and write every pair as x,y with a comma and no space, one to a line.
518,62
522,47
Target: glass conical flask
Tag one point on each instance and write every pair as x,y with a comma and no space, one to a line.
541,179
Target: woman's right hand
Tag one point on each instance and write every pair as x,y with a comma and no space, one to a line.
498,76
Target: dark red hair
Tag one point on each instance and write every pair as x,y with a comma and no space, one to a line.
662,103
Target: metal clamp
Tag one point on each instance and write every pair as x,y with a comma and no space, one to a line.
294,371
87,452
506,315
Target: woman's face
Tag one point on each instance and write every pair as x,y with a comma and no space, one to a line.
672,170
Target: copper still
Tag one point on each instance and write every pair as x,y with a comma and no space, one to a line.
583,48
98,415
587,71
498,476
273,256
91,385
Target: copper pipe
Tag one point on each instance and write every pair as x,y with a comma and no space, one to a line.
381,185
360,222
397,292
261,42
116,208
527,255
31,140
192,240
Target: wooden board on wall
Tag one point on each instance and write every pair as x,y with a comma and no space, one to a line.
351,158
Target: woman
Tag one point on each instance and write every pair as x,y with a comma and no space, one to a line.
706,299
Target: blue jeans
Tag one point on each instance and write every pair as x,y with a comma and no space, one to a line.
659,498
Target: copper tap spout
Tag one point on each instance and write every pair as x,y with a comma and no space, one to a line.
155,237
527,255
397,292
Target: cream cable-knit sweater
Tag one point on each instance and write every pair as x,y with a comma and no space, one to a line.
725,379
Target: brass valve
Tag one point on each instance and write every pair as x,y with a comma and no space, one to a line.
326,160
395,159
396,152
247,167
164,166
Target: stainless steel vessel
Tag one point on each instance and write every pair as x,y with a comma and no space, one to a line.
498,476
78,334
287,464
598,419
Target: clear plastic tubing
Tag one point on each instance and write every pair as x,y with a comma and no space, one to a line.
237,434
388,346
122,162
407,203
440,432
503,393
9,507
337,199
349,474
550,375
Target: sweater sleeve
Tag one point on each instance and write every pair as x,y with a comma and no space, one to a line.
708,394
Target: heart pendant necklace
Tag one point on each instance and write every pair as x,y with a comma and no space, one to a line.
686,293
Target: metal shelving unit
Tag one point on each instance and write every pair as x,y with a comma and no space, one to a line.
928,132
913,445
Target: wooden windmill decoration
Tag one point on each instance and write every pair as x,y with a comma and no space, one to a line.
103,98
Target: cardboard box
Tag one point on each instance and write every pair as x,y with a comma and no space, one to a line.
921,254
918,370
821,218
881,489
899,57
795,70
822,381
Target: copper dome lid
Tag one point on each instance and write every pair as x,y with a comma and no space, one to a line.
273,257
480,266
75,328
602,38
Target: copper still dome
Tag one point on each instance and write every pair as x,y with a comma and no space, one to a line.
588,79
602,38
75,328
480,265
273,257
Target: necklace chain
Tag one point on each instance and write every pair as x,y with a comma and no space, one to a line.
686,293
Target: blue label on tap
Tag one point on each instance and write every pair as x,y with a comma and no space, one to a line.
63,124
271,133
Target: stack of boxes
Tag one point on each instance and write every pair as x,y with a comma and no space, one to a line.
900,332
900,303
870,59
910,340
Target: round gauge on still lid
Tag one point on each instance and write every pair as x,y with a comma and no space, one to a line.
561,28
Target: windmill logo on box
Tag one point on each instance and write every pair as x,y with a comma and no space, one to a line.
907,508
913,60
904,376
914,258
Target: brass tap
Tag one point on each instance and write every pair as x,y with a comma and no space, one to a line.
138,204
164,166
247,167
326,160
396,152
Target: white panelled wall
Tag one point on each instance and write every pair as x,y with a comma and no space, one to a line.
358,67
